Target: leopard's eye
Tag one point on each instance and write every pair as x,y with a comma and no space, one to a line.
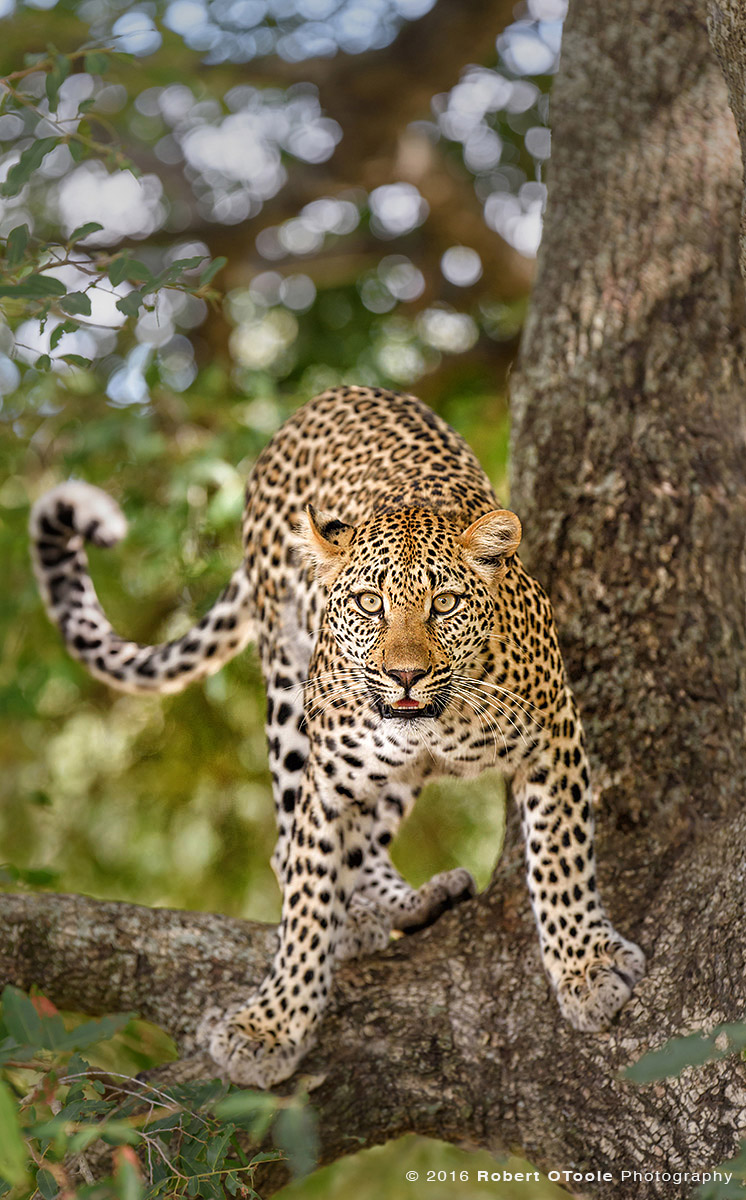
445,603
370,603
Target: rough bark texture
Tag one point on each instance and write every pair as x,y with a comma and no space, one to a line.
629,415
726,21
629,465
629,476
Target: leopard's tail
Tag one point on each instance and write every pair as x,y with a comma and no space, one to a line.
61,522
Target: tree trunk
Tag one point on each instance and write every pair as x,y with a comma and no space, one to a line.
726,20
629,423
629,477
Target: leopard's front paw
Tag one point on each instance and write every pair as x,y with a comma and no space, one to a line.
366,930
246,1053
591,992
435,897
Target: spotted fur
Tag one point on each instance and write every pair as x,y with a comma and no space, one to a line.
400,638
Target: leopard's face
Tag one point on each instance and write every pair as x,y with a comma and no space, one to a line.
408,609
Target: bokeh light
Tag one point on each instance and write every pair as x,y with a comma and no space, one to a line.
461,266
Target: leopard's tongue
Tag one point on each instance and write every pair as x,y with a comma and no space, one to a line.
407,704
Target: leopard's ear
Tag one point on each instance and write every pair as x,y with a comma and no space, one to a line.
324,539
490,541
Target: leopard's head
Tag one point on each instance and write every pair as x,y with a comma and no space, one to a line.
412,599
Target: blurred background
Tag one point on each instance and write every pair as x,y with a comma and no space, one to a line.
213,209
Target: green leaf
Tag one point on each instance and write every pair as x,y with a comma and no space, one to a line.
131,269
77,149
60,330
136,271
253,1110
118,270
13,1155
76,302
36,287
43,363
128,1183
96,63
16,244
93,1031
670,1059
84,230
54,80
11,1050
29,161
47,1185
83,1138
21,1019
54,1128
130,304
187,264
45,285
77,1065
216,1147
118,1133
210,272
76,360
296,1134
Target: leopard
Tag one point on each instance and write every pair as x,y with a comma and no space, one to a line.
400,639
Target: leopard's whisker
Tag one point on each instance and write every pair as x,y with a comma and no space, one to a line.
518,700
500,707
482,712
480,682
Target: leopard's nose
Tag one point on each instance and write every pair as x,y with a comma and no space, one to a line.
406,677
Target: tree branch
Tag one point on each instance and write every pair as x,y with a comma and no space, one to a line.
453,1032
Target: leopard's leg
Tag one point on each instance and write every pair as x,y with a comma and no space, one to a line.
367,928
262,1040
592,967
383,899
287,743
408,908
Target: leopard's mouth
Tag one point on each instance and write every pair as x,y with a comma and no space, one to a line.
408,709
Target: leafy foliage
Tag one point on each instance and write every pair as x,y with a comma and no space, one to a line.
57,1109
37,271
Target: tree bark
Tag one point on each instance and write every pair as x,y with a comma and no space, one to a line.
628,448
629,477
452,1032
726,22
